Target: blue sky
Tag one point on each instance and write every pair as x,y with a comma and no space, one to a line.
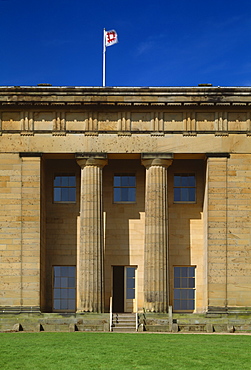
161,42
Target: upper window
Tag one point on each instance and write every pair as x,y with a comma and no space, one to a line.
124,187
184,288
64,188
184,187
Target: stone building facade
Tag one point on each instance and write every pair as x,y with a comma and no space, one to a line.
140,194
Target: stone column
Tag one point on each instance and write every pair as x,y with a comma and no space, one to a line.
156,233
90,235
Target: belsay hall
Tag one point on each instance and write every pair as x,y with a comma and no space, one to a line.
126,200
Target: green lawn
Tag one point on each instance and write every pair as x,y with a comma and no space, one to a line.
123,351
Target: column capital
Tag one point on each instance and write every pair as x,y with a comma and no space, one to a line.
91,159
156,159
156,162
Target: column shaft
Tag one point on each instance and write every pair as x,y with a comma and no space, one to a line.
156,236
90,238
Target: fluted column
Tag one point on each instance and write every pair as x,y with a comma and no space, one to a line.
156,235
90,236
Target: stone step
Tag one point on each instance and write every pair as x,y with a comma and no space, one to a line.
126,329
125,322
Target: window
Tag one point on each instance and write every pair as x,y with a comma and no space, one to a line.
124,188
64,288
184,187
130,282
64,188
184,288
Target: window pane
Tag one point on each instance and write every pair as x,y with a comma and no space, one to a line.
183,293
191,283
131,283
124,181
190,305
130,294
184,272
57,181
56,293
64,181
57,271
72,194
176,293
64,293
184,180
177,181
184,194
57,194
124,194
176,305
64,270
56,304
117,197
71,304
191,180
177,194
57,282
132,181
176,282
64,305
71,271
72,181
71,293
116,180
130,272
183,283
64,194
190,293
183,305
71,282
176,271
191,271
191,194
131,194
64,282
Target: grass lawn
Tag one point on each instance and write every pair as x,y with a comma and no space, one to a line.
123,351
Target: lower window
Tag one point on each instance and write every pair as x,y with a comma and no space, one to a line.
184,288
64,288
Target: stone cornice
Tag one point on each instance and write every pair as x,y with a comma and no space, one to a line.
132,96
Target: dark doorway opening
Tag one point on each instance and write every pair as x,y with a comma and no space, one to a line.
118,289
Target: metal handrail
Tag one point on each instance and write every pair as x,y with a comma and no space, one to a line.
110,314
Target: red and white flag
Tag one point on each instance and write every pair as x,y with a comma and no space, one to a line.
111,38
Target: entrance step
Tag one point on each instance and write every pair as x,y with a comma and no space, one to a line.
124,322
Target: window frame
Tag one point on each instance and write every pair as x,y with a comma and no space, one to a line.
185,174
68,288
66,174
193,299
124,174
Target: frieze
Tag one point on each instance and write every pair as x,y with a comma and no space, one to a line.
93,122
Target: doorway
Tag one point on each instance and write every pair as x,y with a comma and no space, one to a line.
124,289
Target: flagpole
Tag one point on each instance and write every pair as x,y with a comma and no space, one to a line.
104,50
